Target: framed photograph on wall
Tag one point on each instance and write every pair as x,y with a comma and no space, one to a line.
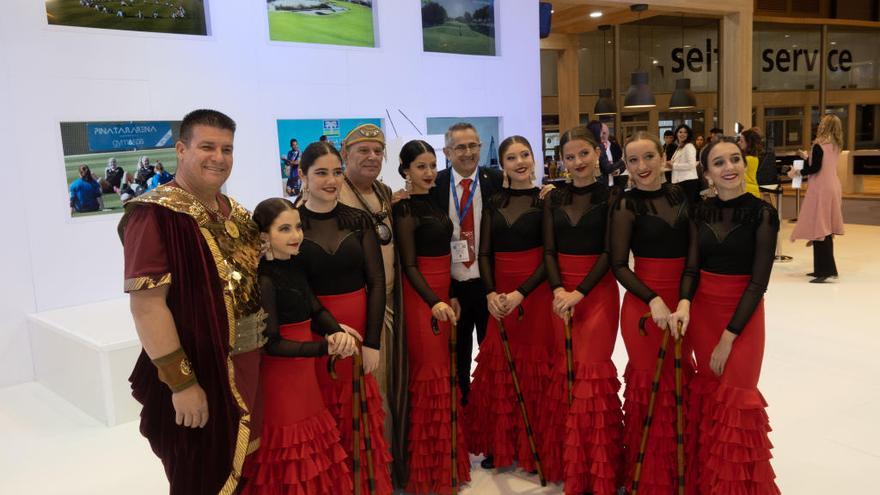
109,163
487,128
295,135
157,16
459,26
329,22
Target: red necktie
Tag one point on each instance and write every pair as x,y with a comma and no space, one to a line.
467,223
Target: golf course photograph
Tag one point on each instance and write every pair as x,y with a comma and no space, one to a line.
158,16
459,26
329,22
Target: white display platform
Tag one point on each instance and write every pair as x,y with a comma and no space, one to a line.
85,354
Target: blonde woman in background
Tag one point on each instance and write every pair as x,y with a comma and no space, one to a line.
821,215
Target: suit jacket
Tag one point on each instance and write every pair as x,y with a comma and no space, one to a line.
490,183
608,167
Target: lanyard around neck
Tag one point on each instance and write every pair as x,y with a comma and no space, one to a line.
467,206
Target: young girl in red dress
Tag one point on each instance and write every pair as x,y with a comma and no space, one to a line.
651,221
583,439
511,262
300,451
732,247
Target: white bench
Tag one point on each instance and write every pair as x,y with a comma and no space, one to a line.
85,354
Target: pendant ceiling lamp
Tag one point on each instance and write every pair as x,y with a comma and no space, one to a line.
605,105
639,94
682,98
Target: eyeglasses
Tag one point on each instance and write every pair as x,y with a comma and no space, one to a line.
464,148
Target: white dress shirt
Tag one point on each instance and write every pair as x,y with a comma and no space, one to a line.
459,271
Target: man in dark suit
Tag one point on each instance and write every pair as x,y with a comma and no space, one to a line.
463,189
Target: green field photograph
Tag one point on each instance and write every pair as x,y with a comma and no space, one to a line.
109,163
459,26
157,16
329,22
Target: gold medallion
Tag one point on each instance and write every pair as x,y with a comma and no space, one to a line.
231,229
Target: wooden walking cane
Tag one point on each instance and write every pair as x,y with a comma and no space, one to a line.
569,360
655,385
365,421
679,413
519,398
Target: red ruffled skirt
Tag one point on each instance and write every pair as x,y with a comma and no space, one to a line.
659,468
583,442
728,447
430,396
300,452
495,424
351,309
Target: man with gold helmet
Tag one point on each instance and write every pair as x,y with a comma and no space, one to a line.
363,150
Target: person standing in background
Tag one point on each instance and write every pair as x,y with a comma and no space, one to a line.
684,164
821,215
611,164
749,142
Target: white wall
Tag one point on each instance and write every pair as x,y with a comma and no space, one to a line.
50,74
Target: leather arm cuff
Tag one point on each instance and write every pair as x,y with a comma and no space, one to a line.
175,370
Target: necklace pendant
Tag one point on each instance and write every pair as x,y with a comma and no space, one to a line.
231,229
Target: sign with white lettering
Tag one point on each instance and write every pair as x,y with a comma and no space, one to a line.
126,136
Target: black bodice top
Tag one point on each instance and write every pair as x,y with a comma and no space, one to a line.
287,298
422,229
653,224
511,222
340,254
734,237
576,222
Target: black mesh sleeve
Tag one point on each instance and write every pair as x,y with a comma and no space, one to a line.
765,249
486,256
276,345
534,280
405,225
375,277
323,322
815,163
690,277
554,278
595,274
619,238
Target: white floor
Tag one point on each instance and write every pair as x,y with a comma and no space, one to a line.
820,377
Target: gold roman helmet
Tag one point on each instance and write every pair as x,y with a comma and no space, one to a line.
364,132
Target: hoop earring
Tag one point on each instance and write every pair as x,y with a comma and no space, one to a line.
533,177
505,181
305,193
407,185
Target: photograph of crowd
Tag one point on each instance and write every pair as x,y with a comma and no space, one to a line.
158,16
109,163
331,22
295,135
459,26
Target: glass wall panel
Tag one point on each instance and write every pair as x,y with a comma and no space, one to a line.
549,76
